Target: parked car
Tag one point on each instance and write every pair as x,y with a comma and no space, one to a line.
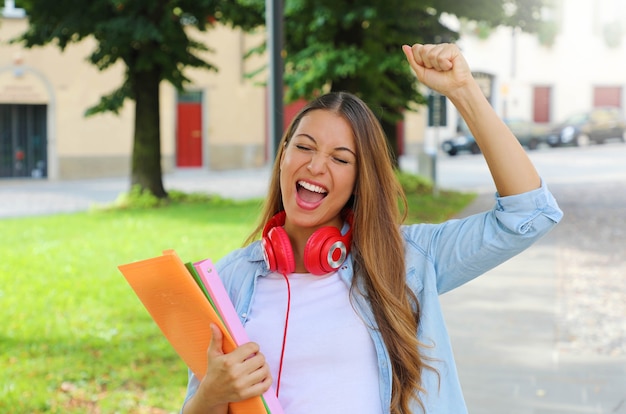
463,142
531,135
594,126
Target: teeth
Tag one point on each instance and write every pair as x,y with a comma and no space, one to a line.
312,187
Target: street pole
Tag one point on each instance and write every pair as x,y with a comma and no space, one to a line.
275,106
433,151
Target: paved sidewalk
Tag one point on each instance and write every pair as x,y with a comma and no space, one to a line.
28,197
545,332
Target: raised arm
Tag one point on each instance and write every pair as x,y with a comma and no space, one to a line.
443,68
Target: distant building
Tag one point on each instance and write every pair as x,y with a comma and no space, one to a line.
577,63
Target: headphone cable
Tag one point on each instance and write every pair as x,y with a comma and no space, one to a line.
282,351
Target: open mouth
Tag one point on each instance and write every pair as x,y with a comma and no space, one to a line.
310,193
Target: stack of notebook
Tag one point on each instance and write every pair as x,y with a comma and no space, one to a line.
183,299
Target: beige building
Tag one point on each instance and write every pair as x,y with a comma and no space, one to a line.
44,94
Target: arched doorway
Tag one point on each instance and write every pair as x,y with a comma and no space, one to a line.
26,124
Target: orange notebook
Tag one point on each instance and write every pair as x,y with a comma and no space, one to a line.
178,306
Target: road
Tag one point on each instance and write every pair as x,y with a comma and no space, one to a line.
577,166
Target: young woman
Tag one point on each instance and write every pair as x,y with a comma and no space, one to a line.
339,298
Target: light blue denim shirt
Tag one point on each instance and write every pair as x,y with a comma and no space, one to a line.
439,258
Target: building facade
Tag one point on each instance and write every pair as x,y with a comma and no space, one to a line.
218,123
545,79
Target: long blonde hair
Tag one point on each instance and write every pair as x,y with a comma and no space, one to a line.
377,245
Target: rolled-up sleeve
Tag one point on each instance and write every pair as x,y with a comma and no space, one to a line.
519,213
460,250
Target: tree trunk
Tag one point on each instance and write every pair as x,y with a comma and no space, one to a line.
146,170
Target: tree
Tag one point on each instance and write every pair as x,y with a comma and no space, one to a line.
151,39
355,46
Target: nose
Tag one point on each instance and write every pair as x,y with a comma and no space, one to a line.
317,165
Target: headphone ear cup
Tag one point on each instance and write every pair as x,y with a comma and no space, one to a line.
268,253
278,253
325,251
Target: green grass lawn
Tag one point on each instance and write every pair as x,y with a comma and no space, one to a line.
74,338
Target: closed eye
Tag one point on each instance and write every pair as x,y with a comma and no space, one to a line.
341,160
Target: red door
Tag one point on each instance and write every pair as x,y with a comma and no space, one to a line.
541,104
291,110
189,134
607,96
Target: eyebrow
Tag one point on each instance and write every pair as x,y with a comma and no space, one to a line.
336,148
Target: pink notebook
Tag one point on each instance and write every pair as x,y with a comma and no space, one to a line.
225,308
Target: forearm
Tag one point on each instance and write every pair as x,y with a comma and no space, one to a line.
510,167
198,399
195,405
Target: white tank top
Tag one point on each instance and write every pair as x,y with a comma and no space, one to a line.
330,363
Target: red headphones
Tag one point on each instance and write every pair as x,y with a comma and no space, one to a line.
324,252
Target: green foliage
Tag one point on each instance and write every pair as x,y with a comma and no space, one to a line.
113,102
339,45
483,30
356,46
75,338
426,206
414,184
435,208
140,199
526,14
547,33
